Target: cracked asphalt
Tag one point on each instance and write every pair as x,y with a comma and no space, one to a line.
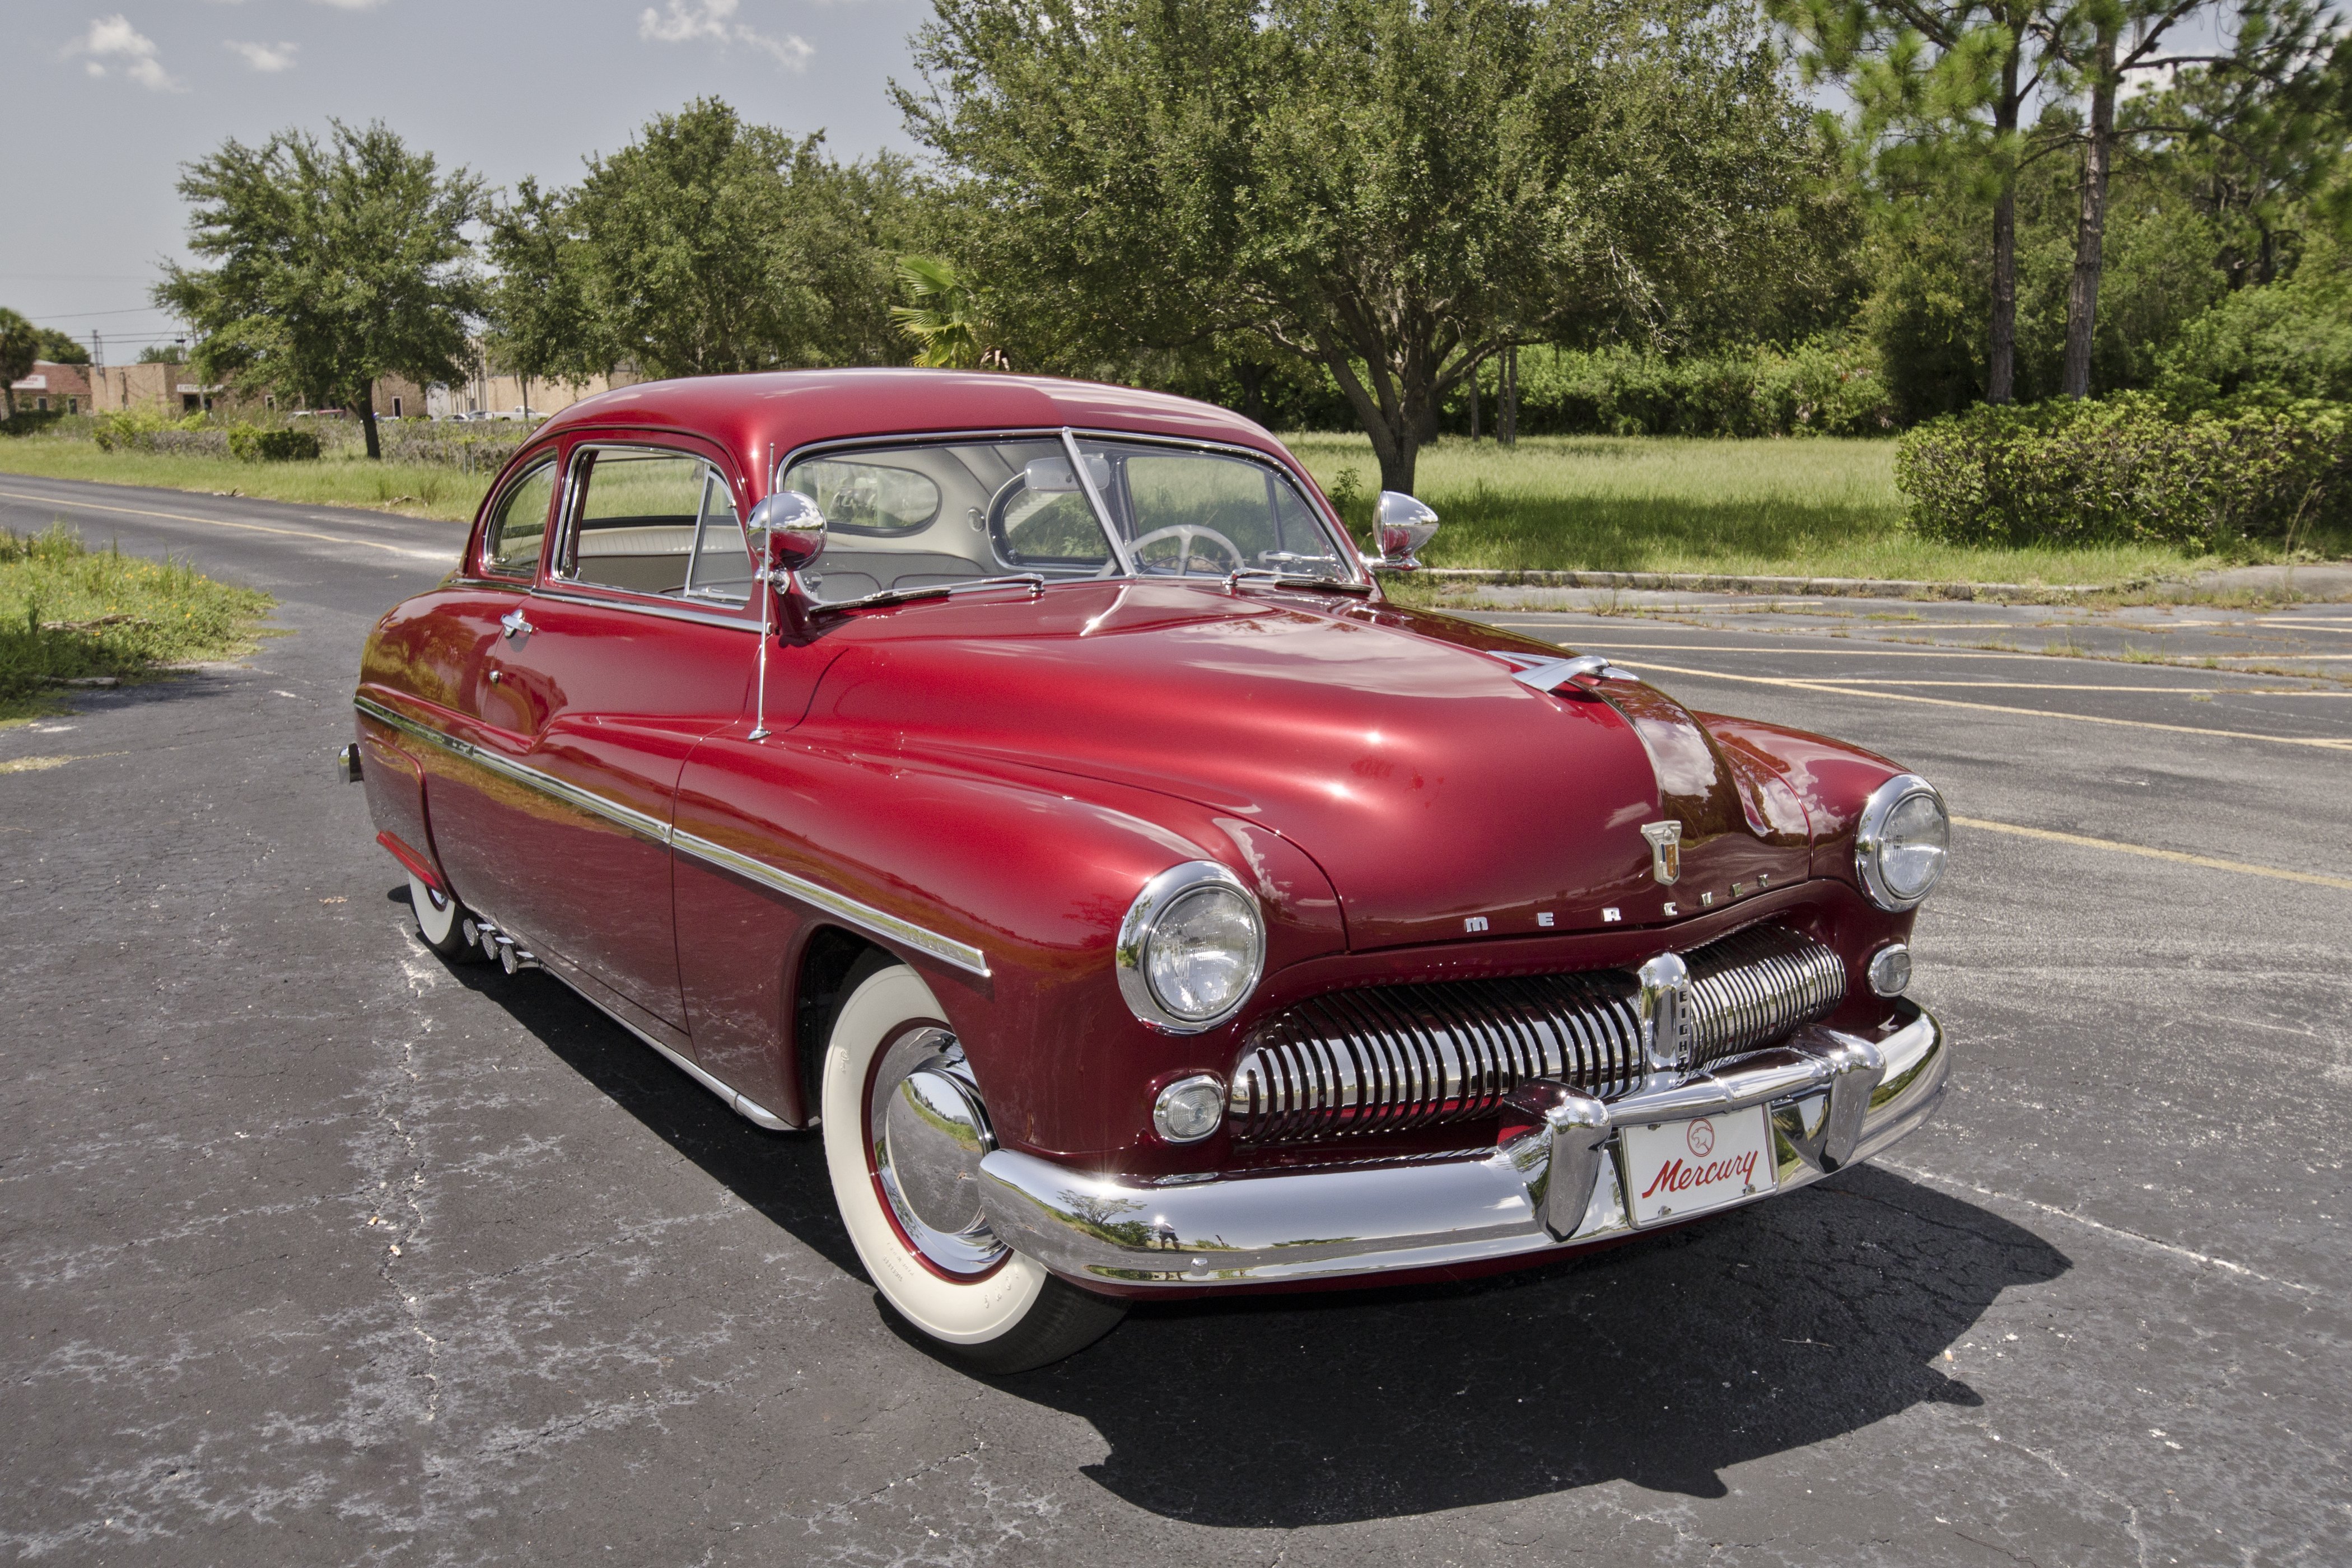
314,1250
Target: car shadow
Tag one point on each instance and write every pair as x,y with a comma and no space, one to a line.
1663,1362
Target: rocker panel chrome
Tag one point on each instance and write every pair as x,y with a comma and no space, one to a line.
879,922
1435,1213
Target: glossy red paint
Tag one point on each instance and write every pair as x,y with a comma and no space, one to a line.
1005,770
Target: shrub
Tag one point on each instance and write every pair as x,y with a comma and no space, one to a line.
1827,385
2129,468
135,432
250,443
2293,337
29,421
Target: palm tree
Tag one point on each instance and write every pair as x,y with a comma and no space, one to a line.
943,319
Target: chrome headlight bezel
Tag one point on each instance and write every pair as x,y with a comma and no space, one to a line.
1162,895
1870,840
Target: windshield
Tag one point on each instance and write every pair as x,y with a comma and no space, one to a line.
931,514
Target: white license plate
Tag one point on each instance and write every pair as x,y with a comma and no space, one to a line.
1676,1168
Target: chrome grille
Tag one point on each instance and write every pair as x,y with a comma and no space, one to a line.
1387,1058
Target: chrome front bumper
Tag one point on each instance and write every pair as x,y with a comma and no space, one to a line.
1833,1098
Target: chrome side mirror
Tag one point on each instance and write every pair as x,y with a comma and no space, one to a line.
1403,525
788,531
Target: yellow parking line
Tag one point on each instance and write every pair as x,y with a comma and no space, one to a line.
224,522
1834,689
2208,861
1867,648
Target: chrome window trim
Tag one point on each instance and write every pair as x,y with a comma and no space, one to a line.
865,917
568,528
1065,434
470,553
665,609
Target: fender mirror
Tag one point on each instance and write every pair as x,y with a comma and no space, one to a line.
788,532
1403,525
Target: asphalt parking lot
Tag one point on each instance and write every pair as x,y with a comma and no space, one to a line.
314,1250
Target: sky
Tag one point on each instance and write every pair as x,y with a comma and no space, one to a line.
106,102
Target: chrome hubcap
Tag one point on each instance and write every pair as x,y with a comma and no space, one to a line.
929,1131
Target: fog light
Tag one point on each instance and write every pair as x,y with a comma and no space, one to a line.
1189,1109
1890,970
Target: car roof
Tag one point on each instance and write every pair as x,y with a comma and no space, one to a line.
783,410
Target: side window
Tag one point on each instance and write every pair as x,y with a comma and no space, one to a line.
519,525
723,555
641,515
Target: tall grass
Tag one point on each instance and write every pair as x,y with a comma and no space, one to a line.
418,489
67,613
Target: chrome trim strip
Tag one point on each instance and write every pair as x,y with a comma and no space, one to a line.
744,1105
1381,1219
877,923
660,608
636,820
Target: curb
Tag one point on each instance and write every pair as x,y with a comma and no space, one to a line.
1714,583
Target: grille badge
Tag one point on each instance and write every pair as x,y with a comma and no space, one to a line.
1664,1005
1665,850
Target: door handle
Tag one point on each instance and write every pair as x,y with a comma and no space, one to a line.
514,623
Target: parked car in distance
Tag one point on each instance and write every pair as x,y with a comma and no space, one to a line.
1028,787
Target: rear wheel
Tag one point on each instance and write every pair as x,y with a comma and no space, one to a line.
440,921
905,1129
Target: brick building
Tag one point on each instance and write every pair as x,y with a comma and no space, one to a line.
53,389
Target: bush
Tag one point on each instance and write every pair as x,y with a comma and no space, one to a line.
135,432
29,421
250,444
1827,385
2129,468
2293,337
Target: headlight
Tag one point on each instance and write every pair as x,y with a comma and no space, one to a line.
1190,948
1900,846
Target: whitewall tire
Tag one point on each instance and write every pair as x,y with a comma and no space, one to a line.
986,1305
440,921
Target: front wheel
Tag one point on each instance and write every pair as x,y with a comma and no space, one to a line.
905,1128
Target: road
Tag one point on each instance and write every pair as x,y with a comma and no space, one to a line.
315,1250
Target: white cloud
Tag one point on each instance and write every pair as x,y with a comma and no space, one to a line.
113,44
713,21
268,58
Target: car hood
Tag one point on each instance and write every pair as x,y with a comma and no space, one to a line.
1444,798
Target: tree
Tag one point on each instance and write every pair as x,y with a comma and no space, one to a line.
57,348
1393,190
20,346
1940,86
943,316
703,247
339,264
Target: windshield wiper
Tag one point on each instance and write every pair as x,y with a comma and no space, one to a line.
1034,581
1239,574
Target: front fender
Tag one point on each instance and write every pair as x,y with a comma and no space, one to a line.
1021,876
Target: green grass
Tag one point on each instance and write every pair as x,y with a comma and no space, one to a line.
418,489
70,613
1812,507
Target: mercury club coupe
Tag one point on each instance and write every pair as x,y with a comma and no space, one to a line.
1029,784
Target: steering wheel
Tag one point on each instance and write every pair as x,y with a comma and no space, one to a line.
1184,533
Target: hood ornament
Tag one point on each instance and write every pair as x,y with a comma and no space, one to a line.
1665,850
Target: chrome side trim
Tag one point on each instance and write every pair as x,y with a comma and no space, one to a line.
865,917
742,1105
879,923
1412,1214
595,804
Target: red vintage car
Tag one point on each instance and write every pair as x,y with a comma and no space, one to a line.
1028,784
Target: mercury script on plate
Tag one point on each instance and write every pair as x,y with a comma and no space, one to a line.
1676,1168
